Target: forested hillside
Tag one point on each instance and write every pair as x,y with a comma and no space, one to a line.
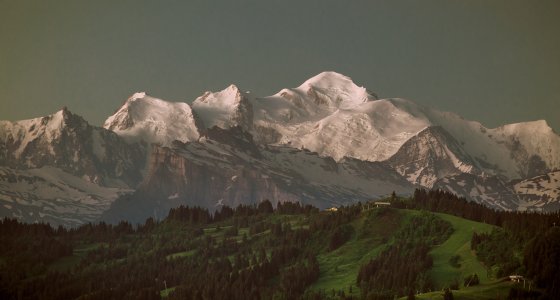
431,242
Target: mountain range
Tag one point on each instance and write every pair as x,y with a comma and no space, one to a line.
327,142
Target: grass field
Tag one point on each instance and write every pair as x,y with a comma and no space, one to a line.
339,268
488,291
181,254
165,293
373,231
443,273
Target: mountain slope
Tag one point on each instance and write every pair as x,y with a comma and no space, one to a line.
228,108
326,142
51,195
344,120
221,170
534,144
60,169
430,155
488,190
541,192
152,120
65,140
331,115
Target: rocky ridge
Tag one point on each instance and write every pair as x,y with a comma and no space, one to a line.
171,150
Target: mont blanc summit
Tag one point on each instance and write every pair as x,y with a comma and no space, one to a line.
329,141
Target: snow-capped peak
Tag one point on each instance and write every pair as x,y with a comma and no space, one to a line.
43,130
227,108
56,120
329,79
340,89
540,126
153,120
537,139
319,96
332,115
227,97
137,95
50,125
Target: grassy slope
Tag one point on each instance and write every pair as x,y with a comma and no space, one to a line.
339,268
181,254
165,293
458,244
492,290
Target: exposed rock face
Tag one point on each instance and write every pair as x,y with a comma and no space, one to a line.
235,171
173,174
235,138
243,114
228,108
51,195
66,141
174,179
488,190
333,116
62,170
431,155
540,193
534,147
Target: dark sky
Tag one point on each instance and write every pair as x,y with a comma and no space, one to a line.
492,61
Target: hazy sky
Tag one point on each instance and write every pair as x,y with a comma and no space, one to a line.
492,61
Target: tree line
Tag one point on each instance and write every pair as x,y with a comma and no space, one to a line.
403,267
533,234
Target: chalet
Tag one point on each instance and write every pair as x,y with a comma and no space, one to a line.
372,204
516,278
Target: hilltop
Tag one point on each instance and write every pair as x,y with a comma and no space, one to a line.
291,251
